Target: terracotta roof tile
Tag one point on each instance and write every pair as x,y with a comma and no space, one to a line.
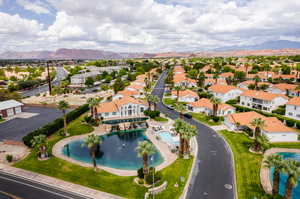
218,88
294,101
185,93
262,95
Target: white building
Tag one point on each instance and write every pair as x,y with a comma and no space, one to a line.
262,100
79,79
285,89
225,92
292,109
273,129
185,96
10,107
205,106
122,108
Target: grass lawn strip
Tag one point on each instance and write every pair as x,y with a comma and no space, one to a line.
103,180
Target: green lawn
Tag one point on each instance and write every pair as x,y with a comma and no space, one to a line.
204,119
169,101
161,119
289,145
247,166
102,180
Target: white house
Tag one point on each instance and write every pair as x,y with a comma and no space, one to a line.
273,129
262,100
292,109
225,92
182,80
185,96
205,106
10,107
246,84
122,108
283,88
127,93
79,79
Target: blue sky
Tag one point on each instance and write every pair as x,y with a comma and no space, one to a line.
145,25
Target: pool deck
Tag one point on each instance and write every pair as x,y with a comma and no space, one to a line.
265,172
168,157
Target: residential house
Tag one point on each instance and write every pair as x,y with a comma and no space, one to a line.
181,79
127,93
9,108
205,106
262,100
292,109
185,96
209,82
122,108
225,76
225,92
273,129
285,89
246,84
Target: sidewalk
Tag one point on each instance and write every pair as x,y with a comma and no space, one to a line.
56,183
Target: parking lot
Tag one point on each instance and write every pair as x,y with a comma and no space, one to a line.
31,119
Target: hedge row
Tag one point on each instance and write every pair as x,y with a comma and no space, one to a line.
54,126
289,122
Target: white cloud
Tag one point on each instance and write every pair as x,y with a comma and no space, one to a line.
150,26
36,7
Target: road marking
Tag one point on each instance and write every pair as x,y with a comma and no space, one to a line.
58,194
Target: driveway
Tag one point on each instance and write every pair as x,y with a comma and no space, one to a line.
213,176
33,118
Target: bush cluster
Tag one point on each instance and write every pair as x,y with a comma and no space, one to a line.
152,114
54,126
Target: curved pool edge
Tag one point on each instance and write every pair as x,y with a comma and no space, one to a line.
265,172
168,157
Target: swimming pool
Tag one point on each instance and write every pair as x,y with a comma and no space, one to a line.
168,138
117,150
283,177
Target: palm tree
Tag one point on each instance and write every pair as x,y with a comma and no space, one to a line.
63,106
92,142
258,124
292,169
215,77
144,149
149,98
216,102
180,108
298,90
179,127
189,132
177,89
154,99
40,143
92,102
256,80
275,161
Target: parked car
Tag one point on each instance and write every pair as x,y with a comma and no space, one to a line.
187,116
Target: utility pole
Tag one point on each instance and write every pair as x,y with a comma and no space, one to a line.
49,78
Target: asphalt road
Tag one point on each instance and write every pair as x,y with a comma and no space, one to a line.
214,170
60,75
16,128
25,189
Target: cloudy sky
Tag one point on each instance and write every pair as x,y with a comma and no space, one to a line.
145,25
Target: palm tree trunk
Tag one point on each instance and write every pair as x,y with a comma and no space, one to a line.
94,159
92,111
177,96
65,125
145,167
288,189
276,181
154,106
181,145
96,114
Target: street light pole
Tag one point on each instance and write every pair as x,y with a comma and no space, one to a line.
49,78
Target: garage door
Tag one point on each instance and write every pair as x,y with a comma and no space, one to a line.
18,109
10,112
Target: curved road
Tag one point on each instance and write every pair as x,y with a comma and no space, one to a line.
214,170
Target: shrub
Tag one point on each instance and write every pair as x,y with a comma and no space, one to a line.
232,101
290,123
56,125
157,176
298,125
215,118
140,173
152,114
9,158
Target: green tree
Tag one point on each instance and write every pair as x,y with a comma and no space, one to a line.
292,169
179,127
180,108
154,99
256,80
63,106
40,143
92,142
92,102
188,133
216,102
89,82
275,161
177,89
118,85
201,80
144,150
258,124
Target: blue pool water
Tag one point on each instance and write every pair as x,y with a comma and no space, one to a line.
283,177
117,150
167,137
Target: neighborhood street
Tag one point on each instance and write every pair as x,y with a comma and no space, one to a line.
213,176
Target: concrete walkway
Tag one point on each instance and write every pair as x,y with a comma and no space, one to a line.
168,157
60,184
264,171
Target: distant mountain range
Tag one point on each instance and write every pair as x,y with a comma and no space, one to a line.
280,47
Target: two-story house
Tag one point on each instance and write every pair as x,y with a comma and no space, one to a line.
262,100
185,96
225,92
292,109
283,88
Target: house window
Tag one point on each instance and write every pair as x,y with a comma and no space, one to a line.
106,114
114,113
243,103
295,107
298,116
290,114
142,109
